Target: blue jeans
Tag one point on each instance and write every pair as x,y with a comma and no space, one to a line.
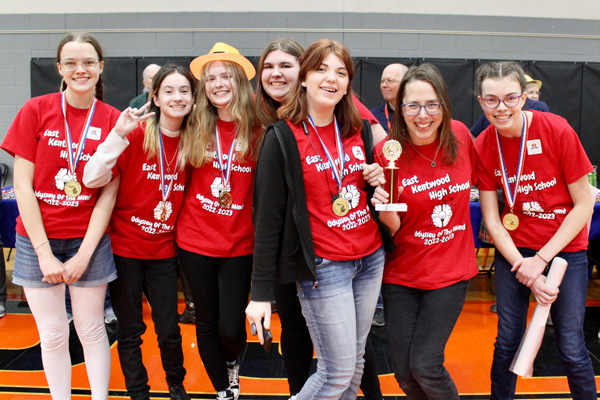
339,311
418,324
568,311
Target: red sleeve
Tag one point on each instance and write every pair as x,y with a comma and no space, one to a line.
364,111
463,136
485,161
21,138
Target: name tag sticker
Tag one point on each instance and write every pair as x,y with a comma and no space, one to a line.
94,133
534,147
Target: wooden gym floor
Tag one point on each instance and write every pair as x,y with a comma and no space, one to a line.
468,355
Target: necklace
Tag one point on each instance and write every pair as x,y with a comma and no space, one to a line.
165,130
433,163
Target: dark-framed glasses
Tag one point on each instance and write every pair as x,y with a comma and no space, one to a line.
71,65
430,108
494,102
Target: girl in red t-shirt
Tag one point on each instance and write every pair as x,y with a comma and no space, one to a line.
317,206
426,278
61,230
278,70
537,160
148,158
215,235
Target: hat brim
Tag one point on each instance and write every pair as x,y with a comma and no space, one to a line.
198,63
538,83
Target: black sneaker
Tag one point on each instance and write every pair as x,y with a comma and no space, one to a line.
225,395
233,370
177,392
187,317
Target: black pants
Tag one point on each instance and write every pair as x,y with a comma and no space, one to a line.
297,346
220,288
418,324
158,280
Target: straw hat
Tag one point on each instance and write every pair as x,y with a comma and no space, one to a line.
529,79
222,52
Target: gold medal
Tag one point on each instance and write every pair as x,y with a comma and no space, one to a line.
163,213
72,188
510,221
340,206
225,199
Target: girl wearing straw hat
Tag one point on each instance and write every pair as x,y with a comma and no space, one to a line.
214,230
148,158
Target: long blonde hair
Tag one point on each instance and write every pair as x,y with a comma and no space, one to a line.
151,135
242,112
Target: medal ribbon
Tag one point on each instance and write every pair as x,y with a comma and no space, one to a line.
337,173
72,158
166,190
225,171
510,196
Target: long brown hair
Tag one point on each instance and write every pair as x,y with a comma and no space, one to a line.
266,106
242,111
87,38
346,113
430,74
151,141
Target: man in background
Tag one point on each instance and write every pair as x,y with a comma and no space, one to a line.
147,76
390,83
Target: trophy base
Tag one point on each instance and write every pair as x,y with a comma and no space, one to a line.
398,207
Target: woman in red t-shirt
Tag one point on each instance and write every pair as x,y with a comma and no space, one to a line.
61,230
278,70
537,160
215,235
149,158
426,278
313,222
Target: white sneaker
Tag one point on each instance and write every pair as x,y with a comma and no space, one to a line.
225,395
109,316
2,309
233,370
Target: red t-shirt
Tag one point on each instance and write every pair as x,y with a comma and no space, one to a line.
136,227
554,158
38,135
434,246
203,226
348,237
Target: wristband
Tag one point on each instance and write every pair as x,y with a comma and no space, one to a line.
538,254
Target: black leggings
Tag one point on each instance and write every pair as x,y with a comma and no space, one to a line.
220,288
297,347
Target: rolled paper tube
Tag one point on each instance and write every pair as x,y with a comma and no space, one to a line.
522,364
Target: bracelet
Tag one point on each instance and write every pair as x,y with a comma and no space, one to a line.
538,254
41,244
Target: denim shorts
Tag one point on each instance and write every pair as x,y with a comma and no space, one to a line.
27,272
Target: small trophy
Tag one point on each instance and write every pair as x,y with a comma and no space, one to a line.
392,150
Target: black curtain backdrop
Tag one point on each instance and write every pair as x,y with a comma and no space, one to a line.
570,89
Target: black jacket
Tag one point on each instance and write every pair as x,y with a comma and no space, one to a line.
283,248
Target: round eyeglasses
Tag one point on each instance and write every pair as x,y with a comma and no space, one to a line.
494,102
415,109
71,65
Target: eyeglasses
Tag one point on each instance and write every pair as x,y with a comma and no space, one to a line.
415,109
389,81
494,102
71,65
